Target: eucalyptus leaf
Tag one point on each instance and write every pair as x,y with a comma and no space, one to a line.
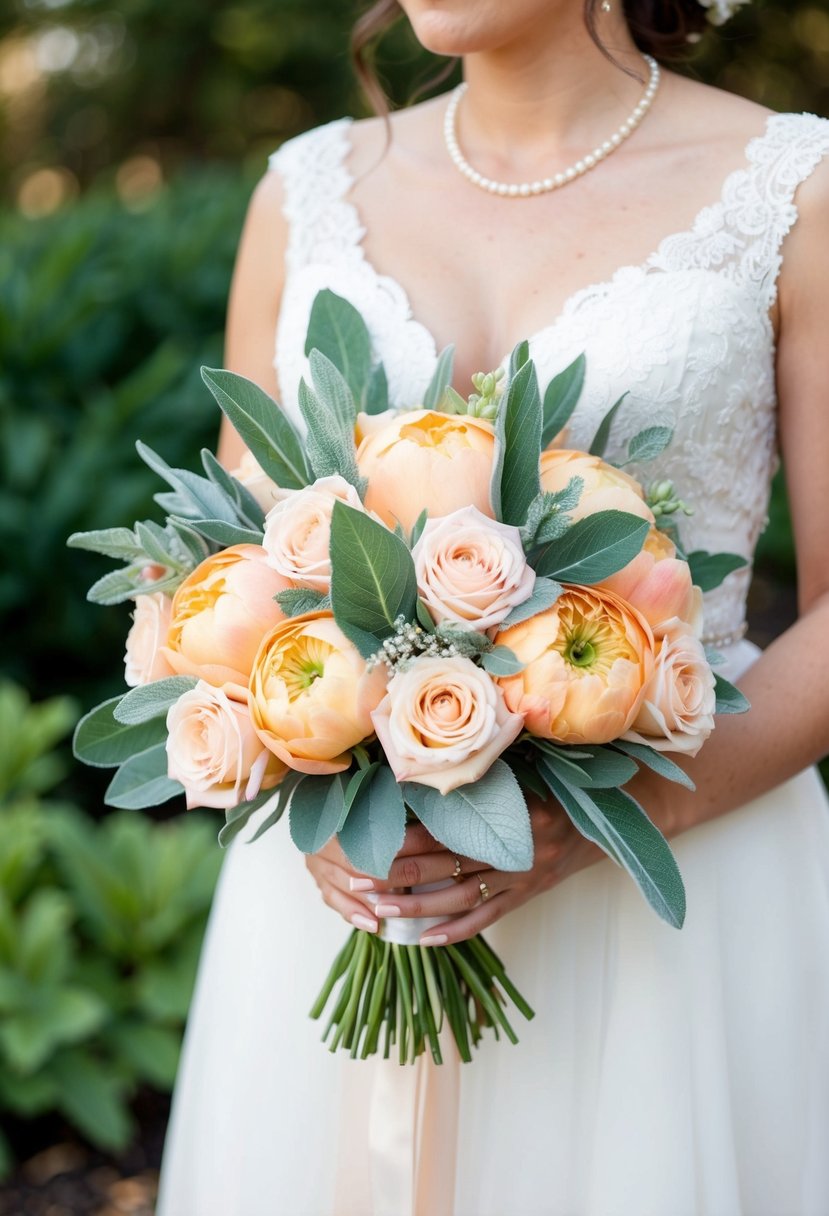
729,699
561,398
709,569
656,761
593,548
373,832
373,579
142,781
515,476
262,426
544,595
600,439
152,700
102,741
486,819
316,808
338,331
441,379
501,661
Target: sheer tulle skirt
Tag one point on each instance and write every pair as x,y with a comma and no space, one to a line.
665,1074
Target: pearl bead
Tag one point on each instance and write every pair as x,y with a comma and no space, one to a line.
546,184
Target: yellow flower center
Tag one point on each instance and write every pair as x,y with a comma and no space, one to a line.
429,433
589,643
301,664
192,601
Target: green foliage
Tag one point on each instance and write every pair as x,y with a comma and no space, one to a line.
100,930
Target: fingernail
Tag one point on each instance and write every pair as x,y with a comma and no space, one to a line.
437,939
387,909
364,922
361,884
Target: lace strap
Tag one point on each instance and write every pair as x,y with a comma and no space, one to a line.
315,179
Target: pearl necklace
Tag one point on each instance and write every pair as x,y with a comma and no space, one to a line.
543,185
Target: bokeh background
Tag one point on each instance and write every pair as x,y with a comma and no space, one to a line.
131,135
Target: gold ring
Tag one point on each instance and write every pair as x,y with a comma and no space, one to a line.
484,890
457,873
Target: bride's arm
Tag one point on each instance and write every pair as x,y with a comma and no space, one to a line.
253,303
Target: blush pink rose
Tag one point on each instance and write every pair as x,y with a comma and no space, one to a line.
298,531
144,660
213,750
677,710
443,722
471,569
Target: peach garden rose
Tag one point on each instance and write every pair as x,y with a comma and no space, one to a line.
298,531
443,723
587,660
213,750
424,459
471,570
605,487
220,613
310,694
144,660
677,711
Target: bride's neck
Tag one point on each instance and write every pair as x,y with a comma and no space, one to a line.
542,96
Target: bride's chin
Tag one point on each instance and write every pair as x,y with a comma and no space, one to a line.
460,27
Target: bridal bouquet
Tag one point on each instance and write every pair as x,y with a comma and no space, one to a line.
411,615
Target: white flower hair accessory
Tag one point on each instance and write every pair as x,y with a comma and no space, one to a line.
719,11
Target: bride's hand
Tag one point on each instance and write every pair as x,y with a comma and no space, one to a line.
559,852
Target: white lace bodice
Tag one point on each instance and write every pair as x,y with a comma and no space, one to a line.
687,333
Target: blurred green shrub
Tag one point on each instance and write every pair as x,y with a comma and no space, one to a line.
105,319
100,930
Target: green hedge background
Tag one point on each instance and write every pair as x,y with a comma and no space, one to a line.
131,136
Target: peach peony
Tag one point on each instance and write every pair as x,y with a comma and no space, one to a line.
677,711
220,613
587,661
310,695
256,481
213,750
298,531
443,723
605,488
145,660
471,569
424,459
658,584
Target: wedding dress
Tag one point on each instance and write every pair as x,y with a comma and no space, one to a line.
666,1073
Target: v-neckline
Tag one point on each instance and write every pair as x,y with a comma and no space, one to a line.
698,226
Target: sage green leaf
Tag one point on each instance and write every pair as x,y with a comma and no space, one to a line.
119,585
250,512
441,379
519,357
112,542
375,398
262,425
709,569
501,661
286,789
373,832
515,477
424,617
417,528
222,533
103,742
729,699
561,398
358,779
593,548
152,700
603,769
237,817
597,447
295,601
333,391
316,807
544,595
207,499
142,781
373,579
336,329
619,826
487,819
648,444
656,761
329,446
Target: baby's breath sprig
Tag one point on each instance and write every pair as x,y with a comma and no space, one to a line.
409,642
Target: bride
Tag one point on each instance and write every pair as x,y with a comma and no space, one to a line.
680,237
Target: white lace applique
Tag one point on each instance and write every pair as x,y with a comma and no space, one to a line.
686,334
